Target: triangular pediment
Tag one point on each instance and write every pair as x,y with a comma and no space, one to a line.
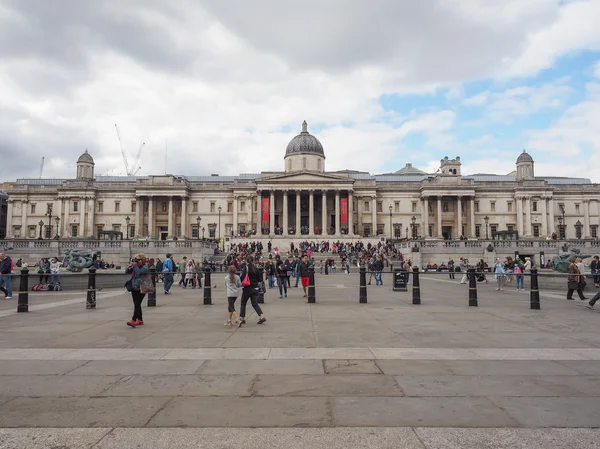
302,176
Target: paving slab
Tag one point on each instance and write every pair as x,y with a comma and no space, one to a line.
412,412
181,385
332,385
32,354
281,367
217,353
528,354
321,353
55,385
351,367
583,366
115,354
452,438
414,367
140,367
244,412
455,385
551,412
510,367
425,353
38,367
582,385
242,339
51,438
79,412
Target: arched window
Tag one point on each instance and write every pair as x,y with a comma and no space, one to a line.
303,162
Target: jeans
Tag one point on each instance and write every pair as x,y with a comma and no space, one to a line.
378,280
54,276
281,281
6,284
297,275
520,281
248,293
271,280
168,281
451,274
138,297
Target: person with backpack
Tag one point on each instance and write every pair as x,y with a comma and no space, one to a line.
168,269
518,272
5,275
233,284
138,271
251,280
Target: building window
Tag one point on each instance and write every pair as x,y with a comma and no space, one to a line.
380,229
117,207
534,206
99,229
133,207
476,206
242,206
32,232
178,230
430,230
594,231
478,231
195,206
536,230
74,230
131,231
397,206
367,206
367,229
492,206
445,206
195,231
509,204
576,208
47,232
510,228
229,206
303,162
17,231
578,231
75,207
100,206
493,229
414,207
212,207
164,207
33,209
228,229
379,206
212,230
116,227
398,230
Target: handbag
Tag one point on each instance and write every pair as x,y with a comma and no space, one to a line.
246,281
146,286
573,285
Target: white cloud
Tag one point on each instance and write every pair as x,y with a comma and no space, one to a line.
597,70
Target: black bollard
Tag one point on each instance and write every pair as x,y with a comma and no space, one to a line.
416,286
152,295
90,302
207,287
23,304
472,288
311,285
362,298
261,287
534,291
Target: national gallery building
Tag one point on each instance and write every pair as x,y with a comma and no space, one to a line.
306,201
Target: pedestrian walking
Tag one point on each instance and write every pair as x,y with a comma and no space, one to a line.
233,284
251,280
168,269
5,275
499,273
138,271
303,269
518,272
282,269
451,268
574,281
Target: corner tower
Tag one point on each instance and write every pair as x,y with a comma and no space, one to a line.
304,152
85,167
525,166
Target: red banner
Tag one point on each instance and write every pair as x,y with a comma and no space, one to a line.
344,211
265,210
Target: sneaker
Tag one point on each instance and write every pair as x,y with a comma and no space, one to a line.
591,307
139,322
228,323
8,297
285,296
280,297
131,323
261,321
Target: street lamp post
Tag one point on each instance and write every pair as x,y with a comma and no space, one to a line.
562,223
202,232
413,226
57,220
49,213
198,220
41,225
127,220
219,233
391,235
486,219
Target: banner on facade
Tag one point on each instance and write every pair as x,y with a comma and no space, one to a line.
344,211
265,210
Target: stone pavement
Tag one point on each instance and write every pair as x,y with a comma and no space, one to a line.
382,374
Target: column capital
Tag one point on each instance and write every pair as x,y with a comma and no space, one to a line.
586,200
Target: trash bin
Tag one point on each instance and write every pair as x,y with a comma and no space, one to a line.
400,280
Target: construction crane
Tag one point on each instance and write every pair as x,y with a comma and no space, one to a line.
136,168
42,167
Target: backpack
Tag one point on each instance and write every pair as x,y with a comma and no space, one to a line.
517,270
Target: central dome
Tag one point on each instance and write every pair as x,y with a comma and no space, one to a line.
304,143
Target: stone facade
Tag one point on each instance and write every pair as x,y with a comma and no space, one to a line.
306,200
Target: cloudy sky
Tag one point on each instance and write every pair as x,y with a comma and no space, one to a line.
227,84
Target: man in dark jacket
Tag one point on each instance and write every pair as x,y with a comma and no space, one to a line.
303,270
5,270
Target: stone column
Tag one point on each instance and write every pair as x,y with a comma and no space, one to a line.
519,201
439,217
374,215
139,214
184,217
337,213
272,212
425,217
91,211
311,212
9,214
459,221
285,212
350,213
65,219
586,218
551,228
24,227
251,200
324,213
82,202
235,215
544,230
527,229
472,207
298,212
170,218
151,217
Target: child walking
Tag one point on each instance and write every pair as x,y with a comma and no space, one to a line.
233,284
